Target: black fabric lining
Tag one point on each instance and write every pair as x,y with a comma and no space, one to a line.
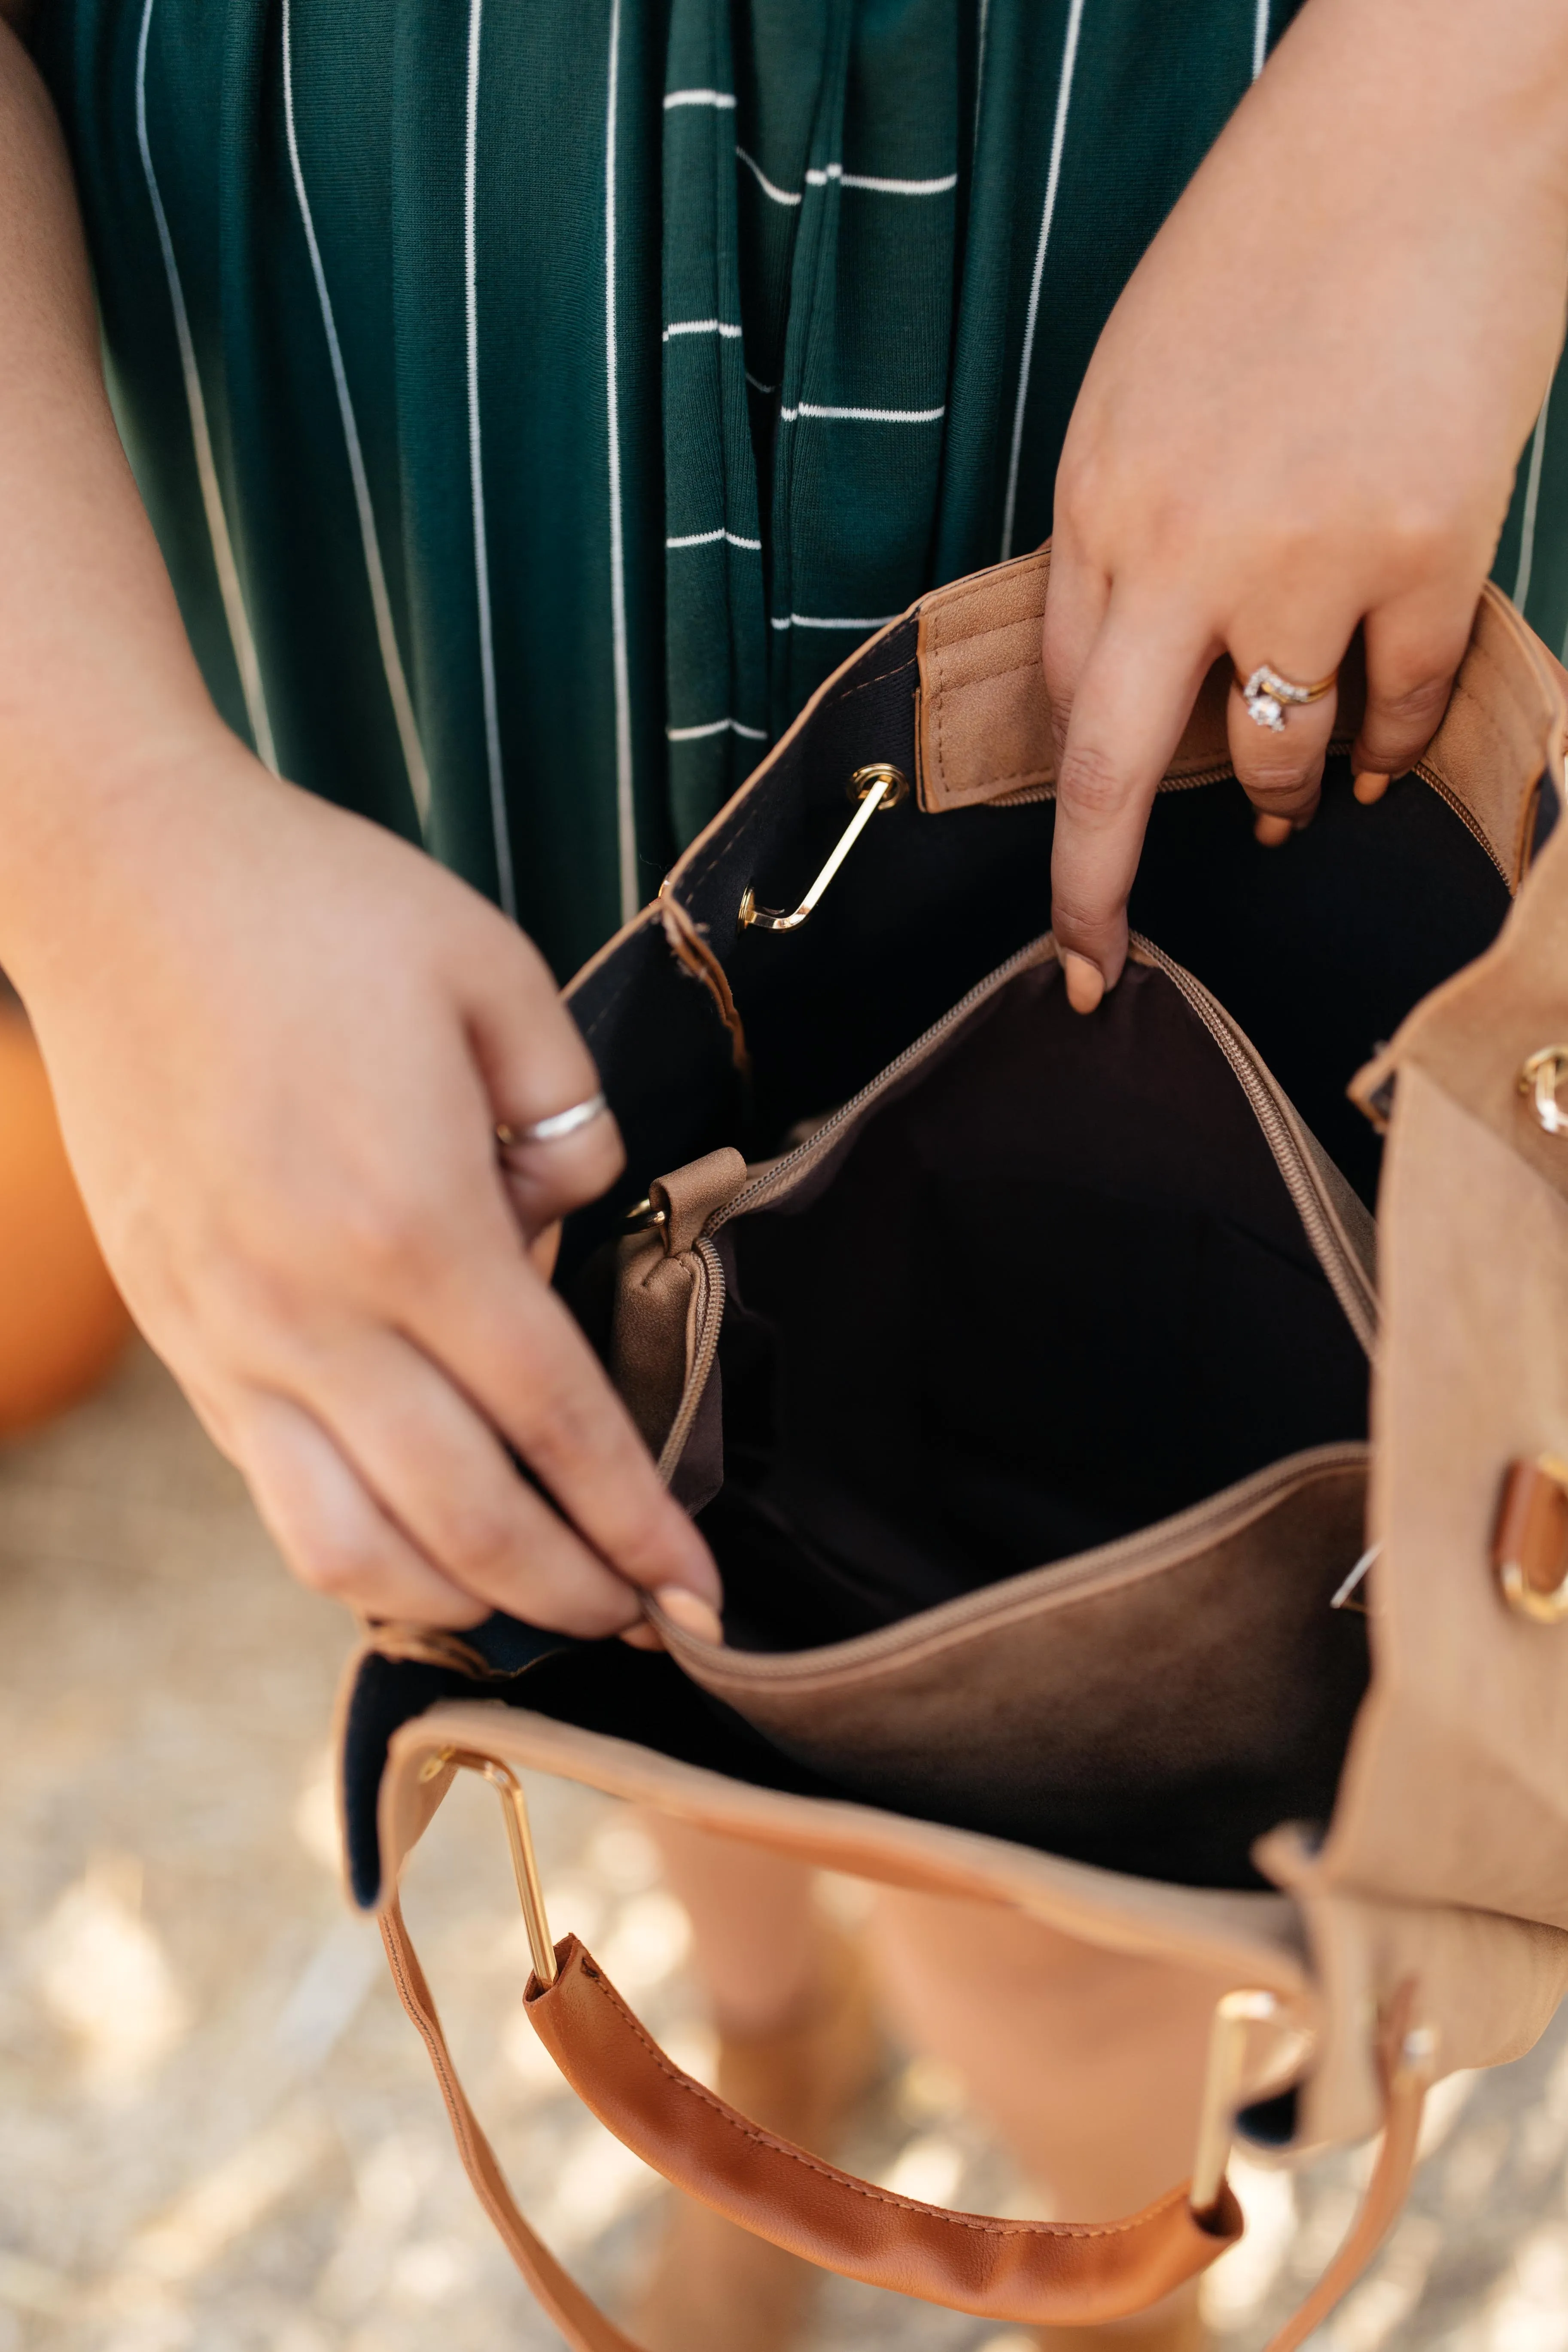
1055,1293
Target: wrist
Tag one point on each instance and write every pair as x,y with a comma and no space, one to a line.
94,824
1434,77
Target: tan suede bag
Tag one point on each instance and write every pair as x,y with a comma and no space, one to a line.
1116,1525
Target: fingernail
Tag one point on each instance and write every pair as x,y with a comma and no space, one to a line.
641,1636
693,1615
1085,980
1369,787
1272,830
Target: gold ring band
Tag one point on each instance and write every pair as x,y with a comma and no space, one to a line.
1268,694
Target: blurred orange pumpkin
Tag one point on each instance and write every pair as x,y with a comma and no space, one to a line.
61,1322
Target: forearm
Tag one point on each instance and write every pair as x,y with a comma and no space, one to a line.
99,690
1372,87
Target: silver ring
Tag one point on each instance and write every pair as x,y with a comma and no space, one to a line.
551,1131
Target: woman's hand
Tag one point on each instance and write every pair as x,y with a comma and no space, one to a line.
281,1040
1303,416
280,1065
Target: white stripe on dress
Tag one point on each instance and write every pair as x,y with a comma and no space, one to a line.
715,727
232,596
1053,179
626,804
1260,38
779,195
900,187
506,888
710,537
1532,502
863,416
980,69
817,621
819,178
386,634
702,327
723,99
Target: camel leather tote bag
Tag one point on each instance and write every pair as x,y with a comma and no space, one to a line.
1116,1523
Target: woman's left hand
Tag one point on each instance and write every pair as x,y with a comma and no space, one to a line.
1304,415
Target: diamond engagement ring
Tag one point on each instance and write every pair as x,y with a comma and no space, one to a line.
1267,696
551,1131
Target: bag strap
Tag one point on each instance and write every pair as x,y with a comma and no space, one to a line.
1034,2272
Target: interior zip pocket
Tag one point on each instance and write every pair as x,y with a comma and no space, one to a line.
1338,1228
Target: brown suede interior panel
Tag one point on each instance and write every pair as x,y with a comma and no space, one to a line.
1159,1725
1055,1291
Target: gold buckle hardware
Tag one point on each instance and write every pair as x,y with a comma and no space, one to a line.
876,787
1532,1539
519,1837
642,1216
1542,1075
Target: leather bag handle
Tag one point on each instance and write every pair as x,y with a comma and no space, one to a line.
1040,2274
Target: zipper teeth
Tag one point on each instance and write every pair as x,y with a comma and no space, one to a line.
1301,1179
1140,1554
702,1362
713,1266
816,1141
1428,776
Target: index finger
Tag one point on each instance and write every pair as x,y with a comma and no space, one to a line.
513,1347
1134,697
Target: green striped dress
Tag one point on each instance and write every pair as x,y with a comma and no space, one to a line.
535,399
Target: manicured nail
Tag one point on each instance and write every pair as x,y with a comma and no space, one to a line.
643,1635
1272,830
694,1616
1085,980
1369,787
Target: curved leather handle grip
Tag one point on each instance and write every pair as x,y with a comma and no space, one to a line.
1046,2274
1039,2273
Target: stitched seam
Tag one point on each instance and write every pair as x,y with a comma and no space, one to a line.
971,685
982,2223
863,685
939,612
722,848
1018,775
609,1005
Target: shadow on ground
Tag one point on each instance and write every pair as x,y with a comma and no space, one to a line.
219,2134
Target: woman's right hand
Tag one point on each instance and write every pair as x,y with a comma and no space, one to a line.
280,1040
280,1050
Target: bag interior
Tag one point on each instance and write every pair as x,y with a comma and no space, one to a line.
1056,1292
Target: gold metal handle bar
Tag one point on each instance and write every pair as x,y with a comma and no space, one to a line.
1235,2013
876,787
519,1837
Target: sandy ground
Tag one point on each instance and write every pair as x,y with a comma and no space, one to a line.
218,2133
